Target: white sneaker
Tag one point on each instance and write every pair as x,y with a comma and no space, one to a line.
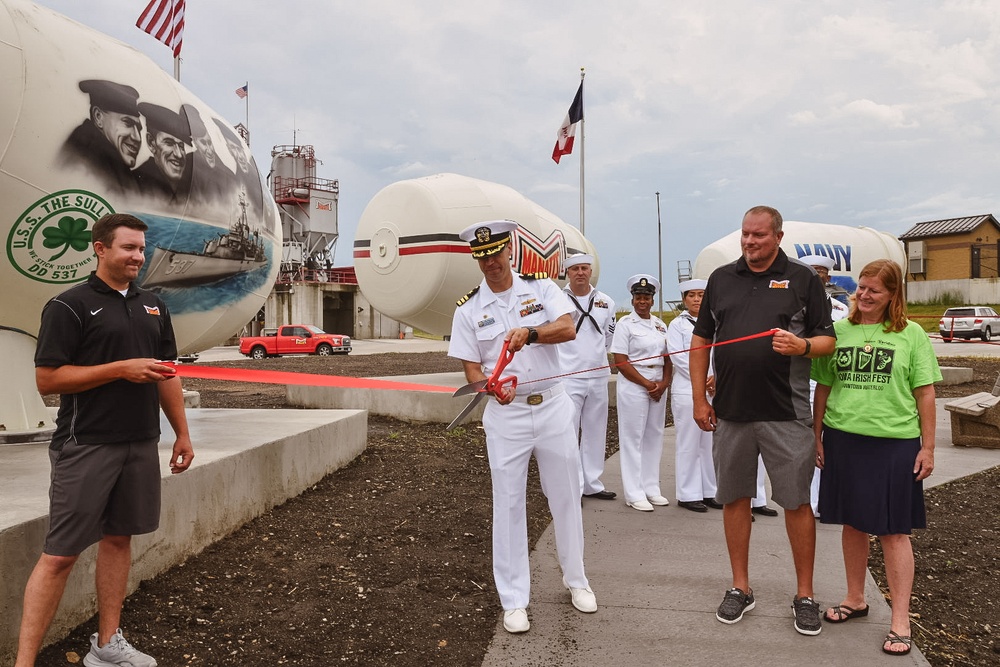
583,598
641,505
116,653
658,500
515,621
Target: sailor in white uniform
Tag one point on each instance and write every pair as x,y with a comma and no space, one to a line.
587,358
838,311
694,469
639,343
533,314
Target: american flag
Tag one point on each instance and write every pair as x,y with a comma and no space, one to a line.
164,20
243,91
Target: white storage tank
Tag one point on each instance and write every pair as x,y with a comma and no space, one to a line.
78,113
850,248
412,266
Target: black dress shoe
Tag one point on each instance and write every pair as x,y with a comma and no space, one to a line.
693,505
764,511
601,495
710,502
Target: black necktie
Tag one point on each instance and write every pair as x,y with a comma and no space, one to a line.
586,313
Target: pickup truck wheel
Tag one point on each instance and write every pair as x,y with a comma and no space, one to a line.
987,334
258,352
324,350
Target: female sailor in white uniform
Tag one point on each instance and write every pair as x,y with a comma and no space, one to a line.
638,346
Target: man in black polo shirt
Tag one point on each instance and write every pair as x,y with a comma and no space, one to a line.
98,347
761,404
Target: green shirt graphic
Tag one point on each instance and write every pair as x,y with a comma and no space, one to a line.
872,390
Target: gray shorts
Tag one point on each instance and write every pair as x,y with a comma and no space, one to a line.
100,490
788,449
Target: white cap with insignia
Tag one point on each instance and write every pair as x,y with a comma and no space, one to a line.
643,283
488,238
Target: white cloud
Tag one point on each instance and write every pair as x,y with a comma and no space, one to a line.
847,112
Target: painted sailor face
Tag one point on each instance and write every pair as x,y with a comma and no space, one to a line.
203,145
239,155
168,154
123,131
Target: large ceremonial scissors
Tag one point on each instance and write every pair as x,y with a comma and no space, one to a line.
490,385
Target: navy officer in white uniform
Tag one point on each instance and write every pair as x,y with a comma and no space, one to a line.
587,358
533,314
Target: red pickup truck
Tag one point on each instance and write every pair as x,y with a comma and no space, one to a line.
294,339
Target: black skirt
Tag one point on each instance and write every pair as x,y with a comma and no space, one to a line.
868,483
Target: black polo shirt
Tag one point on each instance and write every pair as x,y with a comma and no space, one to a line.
93,324
753,382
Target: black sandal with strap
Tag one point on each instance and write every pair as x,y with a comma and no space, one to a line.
844,613
895,638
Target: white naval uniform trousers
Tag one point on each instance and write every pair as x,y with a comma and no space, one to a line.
517,431
640,419
694,472
595,323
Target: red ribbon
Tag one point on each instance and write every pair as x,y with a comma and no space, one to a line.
308,379
315,380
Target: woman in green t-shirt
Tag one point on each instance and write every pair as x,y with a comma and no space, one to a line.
874,423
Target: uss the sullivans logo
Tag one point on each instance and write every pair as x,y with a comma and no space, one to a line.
51,240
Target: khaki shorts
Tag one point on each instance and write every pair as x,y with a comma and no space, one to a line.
788,449
100,490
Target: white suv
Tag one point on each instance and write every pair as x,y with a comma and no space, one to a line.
969,322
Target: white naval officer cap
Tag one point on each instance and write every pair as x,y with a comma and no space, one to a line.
643,283
688,285
818,260
488,238
578,258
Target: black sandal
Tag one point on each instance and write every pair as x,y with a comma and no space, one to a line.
895,638
844,613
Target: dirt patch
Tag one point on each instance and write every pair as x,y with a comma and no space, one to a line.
387,561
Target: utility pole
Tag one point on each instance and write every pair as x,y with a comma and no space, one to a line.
659,251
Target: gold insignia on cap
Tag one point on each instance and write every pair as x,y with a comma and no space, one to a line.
643,282
483,234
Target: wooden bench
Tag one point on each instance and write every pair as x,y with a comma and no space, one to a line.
975,419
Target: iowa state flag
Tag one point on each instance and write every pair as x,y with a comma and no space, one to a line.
564,138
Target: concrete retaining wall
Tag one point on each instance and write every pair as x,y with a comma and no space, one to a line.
246,462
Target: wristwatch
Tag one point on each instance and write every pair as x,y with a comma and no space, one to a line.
532,335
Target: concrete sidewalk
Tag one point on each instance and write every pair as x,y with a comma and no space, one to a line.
660,576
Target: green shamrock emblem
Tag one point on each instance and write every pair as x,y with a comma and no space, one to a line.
68,233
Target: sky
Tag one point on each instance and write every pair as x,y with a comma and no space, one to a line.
874,113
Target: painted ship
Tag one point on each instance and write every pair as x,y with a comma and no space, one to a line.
226,254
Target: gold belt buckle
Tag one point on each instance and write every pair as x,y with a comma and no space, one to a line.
535,399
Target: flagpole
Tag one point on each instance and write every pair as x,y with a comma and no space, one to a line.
247,111
177,68
583,140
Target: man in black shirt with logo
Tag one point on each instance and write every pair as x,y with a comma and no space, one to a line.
98,347
761,405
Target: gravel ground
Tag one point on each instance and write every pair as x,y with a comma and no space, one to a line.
387,561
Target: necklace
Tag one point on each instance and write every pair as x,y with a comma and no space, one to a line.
868,337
